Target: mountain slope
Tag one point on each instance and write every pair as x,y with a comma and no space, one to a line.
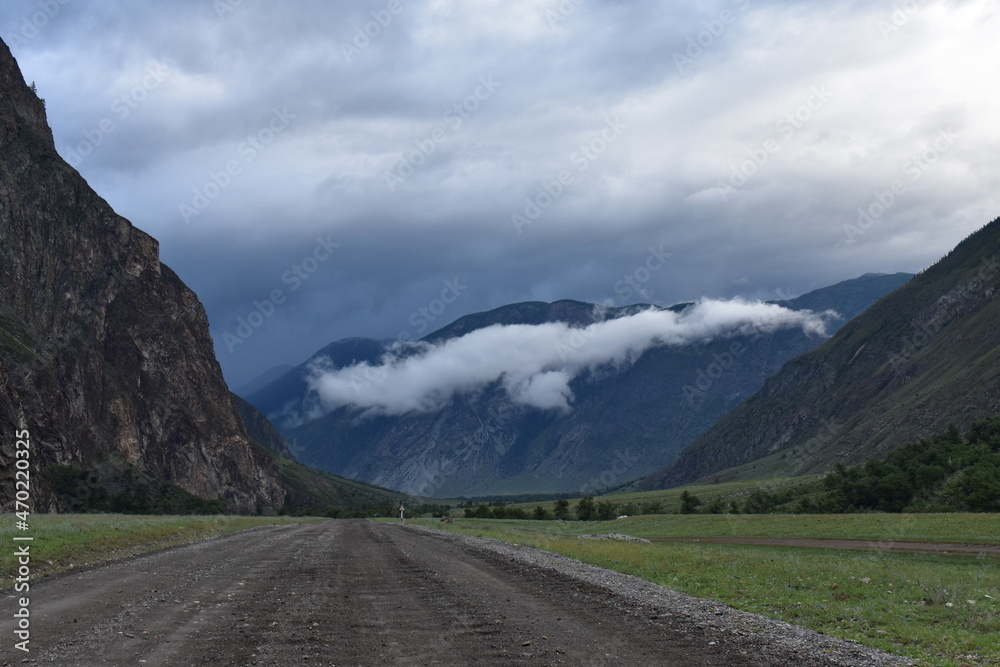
314,491
264,379
924,357
261,430
105,356
623,424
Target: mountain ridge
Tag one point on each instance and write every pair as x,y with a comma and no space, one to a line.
919,360
483,443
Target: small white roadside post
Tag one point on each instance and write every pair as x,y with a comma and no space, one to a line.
401,510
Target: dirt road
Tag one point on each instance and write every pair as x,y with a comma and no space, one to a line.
360,593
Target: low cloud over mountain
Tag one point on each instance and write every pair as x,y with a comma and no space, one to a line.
535,364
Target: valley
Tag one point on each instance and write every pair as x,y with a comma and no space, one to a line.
628,414
667,417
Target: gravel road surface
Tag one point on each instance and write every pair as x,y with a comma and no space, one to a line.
362,593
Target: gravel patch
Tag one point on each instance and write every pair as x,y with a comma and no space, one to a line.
617,537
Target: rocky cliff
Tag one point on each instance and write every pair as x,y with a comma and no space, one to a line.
105,356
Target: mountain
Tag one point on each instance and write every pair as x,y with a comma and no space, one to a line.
623,424
312,491
923,358
264,379
261,430
105,356
291,387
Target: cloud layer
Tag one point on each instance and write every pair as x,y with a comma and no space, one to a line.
535,364
744,139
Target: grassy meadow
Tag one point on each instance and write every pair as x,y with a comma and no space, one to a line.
670,499
940,610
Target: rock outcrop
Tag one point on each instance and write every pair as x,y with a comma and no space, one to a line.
105,354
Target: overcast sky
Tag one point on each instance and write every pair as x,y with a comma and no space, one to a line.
382,168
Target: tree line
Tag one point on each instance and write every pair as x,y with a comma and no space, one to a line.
948,472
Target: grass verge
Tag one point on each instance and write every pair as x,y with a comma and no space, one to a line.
959,528
66,541
939,610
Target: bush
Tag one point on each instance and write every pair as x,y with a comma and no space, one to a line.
651,507
715,507
689,503
759,502
606,511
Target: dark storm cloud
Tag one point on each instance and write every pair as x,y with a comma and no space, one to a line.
527,149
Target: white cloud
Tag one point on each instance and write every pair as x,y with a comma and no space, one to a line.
535,364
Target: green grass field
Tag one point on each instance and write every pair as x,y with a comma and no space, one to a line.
941,610
966,528
65,541
723,491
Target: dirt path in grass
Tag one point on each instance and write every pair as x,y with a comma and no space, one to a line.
362,593
856,545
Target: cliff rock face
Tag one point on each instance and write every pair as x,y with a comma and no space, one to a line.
104,352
